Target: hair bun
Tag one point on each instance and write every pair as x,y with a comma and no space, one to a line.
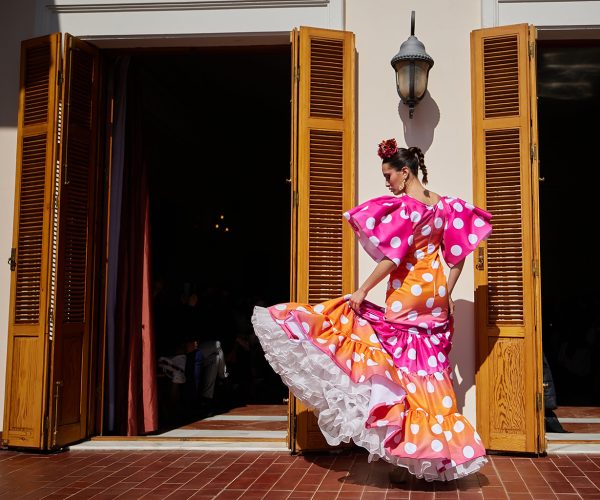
387,148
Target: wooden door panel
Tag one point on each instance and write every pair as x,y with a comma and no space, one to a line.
323,113
509,374
32,279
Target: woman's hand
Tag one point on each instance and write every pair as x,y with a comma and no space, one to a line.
356,299
451,306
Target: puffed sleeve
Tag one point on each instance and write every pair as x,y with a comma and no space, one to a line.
466,227
383,227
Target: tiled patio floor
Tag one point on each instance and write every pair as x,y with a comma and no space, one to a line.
253,475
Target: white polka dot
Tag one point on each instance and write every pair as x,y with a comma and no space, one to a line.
448,435
414,428
365,208
442,291
332,348
456,250
439,418
434,340
409,266
410,240
349,364
344,319
395,242
436,445
458,426
319,308
430,387
478,222
371,362
436,428
440,204
438,222
347,215
403,214
430,248
396,306
396,284
458,223
362,322
326,324
321,341
472,238
410,387
281,307
426,230
397,352
441,357
370,223
477,437
386,219
388,375
374,240
439,375
458,207
415,216
306,326
396,261
436,312
392,340
423,325
447,402
374,338
413,315
429,302
432,361
416,290
382,423
435,264
427,343
414,331
468,451
362,378
412,354
410,448
301,308
420,254
355,337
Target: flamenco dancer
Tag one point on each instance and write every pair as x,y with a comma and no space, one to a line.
380,376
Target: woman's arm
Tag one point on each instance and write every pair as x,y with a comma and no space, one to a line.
452,279
383,269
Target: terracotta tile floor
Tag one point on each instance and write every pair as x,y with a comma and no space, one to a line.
253,475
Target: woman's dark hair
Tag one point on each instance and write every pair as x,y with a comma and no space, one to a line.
413,158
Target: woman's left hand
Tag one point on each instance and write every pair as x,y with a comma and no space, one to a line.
356,299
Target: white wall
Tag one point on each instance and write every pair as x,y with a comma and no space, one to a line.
441,126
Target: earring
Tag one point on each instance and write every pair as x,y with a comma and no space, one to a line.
403,185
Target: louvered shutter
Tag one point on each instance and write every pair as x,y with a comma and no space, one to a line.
71,346
507,288
323,173
33,279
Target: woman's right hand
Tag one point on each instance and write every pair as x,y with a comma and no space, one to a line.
356,299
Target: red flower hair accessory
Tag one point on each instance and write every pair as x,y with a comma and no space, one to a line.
387,149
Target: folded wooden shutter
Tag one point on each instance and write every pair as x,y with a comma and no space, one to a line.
509,372
33,278
78,181
324,185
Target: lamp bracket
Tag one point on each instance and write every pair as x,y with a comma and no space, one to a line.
412,23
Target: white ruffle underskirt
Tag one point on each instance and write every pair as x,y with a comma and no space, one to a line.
342,406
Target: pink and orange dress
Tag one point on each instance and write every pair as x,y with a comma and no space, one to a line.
382,378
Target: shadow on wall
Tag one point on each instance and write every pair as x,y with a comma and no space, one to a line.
420,129
463,355
19,23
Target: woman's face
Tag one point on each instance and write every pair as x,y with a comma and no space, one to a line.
393,178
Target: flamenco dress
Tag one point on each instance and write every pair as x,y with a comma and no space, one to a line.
381,377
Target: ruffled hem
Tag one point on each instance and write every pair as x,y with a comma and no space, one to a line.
343,406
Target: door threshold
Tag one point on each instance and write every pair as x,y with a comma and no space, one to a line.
150,444
573,442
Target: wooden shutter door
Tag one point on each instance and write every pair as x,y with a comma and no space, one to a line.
78,180
509,376
32,279
323,180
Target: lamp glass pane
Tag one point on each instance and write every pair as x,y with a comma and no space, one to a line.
403,79
421,70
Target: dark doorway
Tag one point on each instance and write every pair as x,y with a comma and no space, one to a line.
216,139
568,110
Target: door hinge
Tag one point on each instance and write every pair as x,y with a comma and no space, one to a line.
533,150
531,50
296,198
12,260
297,73
535,265
60,77
538,401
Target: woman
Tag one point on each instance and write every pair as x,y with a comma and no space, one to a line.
381,376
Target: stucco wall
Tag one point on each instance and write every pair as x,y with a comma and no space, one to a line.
441,126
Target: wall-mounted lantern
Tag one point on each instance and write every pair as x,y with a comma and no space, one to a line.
412,65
